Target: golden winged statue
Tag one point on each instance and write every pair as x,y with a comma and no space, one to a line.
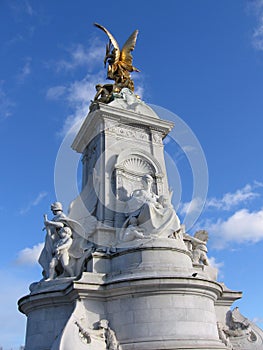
119,61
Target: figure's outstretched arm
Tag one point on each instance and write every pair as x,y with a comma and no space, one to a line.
56,224
194,239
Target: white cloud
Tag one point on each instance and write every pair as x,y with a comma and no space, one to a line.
195,205
241,227
39,198
78,96
139,90
29,9
29,256
20,7
231,200
214,263
257,320
25,71
12,322
217,265
257,37
83,90
33,203
56,92
6,104
15,39
79,93
258,183
138,79
81,56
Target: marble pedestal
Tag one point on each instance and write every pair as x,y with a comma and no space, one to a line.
148,295
148,289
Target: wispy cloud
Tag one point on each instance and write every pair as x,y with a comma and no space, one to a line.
15,39
233,199
25,70
193,206
29,9
12,322
33,203
227,202
6,105
214,263
232,222
139,84
257,36
21,7
243,226
56,92
257,320
217,265
77,95
81,56
29,256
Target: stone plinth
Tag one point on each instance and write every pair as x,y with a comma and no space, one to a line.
141,282
148,295
123,146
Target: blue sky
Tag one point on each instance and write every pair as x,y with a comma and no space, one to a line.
202,60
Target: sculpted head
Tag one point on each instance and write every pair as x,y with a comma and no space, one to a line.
147,181
133,221
65,231
163,201
104,324
56,207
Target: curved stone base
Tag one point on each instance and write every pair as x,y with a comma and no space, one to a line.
148,295
176,345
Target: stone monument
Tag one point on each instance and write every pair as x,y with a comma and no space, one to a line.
119,270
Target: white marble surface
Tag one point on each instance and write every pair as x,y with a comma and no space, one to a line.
145,293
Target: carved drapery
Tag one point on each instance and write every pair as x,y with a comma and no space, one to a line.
129,170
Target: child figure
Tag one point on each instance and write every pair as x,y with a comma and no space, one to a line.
132,231
61,253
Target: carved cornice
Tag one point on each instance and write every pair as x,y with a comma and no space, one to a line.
108,117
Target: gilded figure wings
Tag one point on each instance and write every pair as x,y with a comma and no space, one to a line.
118,57
112,42
126,57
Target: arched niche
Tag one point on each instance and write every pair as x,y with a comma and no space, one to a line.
130,167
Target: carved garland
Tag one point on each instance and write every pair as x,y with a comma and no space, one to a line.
136,134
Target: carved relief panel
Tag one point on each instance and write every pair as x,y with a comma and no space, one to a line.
130,168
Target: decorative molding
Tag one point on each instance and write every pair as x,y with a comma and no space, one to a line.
123,131
136,164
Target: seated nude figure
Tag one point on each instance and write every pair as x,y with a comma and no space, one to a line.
132,231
